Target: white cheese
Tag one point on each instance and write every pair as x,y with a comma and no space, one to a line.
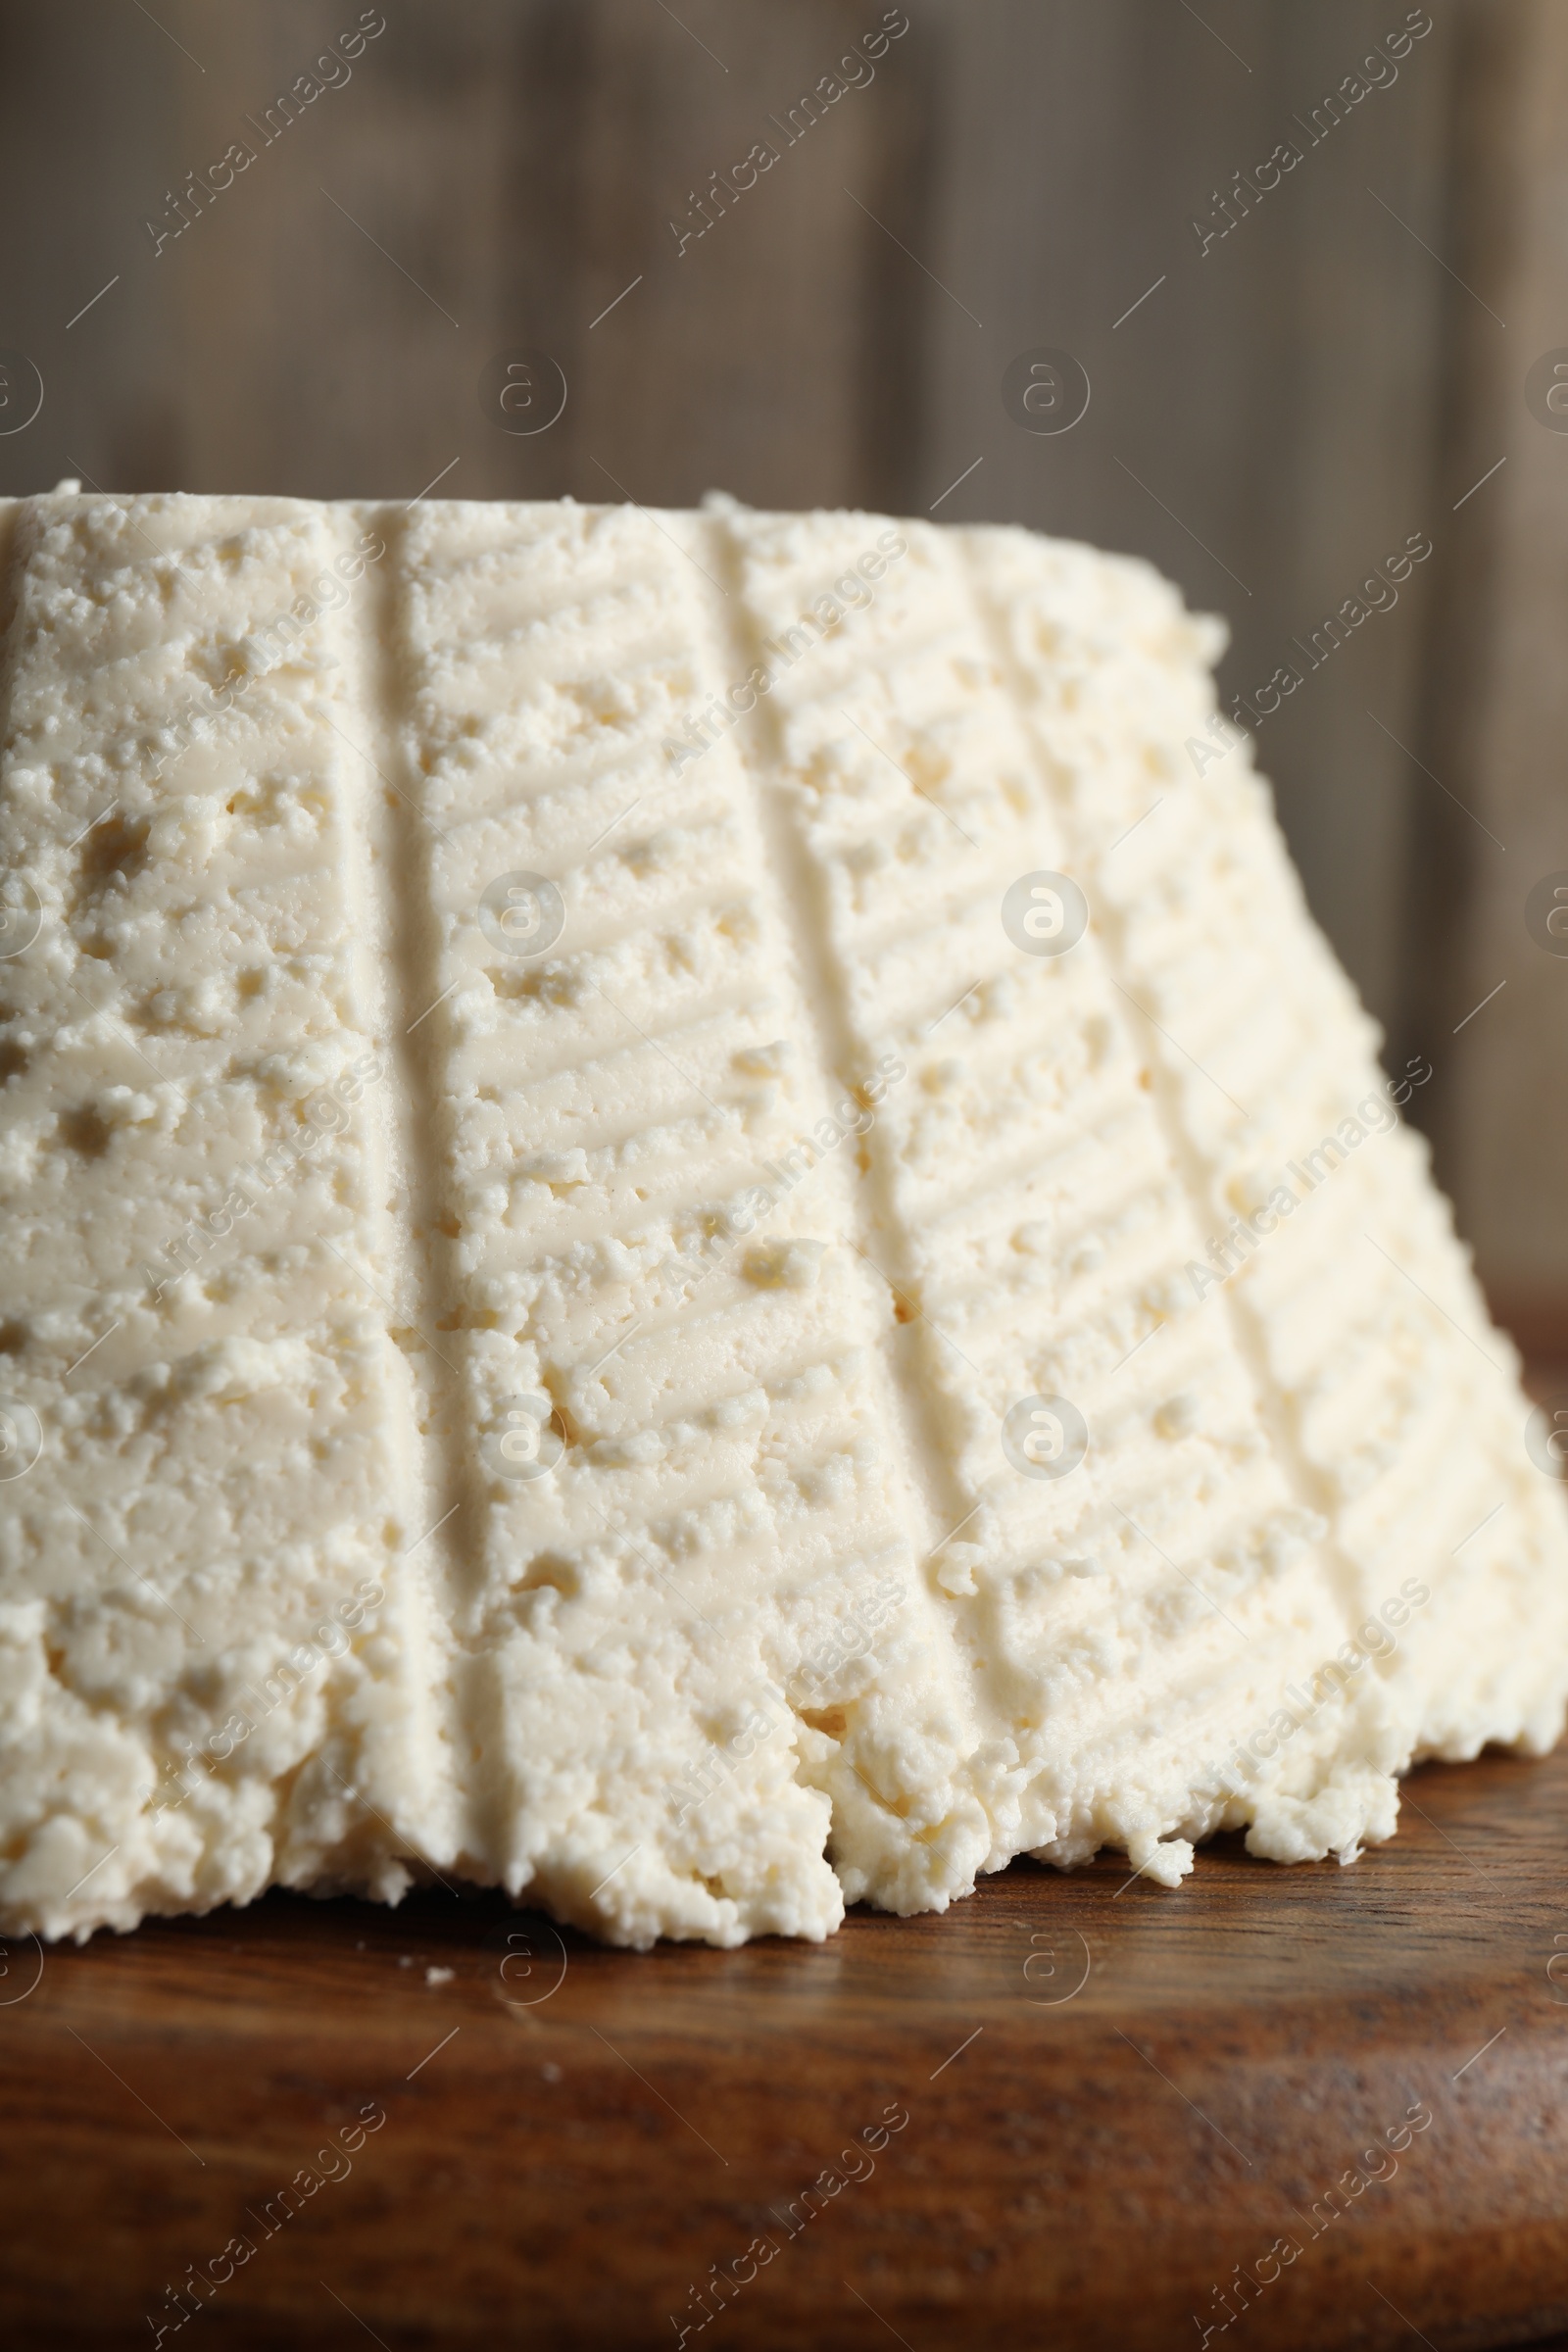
694,1228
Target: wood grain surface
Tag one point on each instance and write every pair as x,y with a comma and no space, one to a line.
1060,2115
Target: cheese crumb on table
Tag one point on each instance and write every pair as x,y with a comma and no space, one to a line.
693,1227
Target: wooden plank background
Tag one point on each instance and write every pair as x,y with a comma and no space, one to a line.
1283,409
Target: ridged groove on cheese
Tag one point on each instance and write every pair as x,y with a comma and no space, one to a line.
737,1489
1391,1395
1040,1221
784,1627
223,1473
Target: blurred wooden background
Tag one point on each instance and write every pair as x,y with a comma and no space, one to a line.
1277,414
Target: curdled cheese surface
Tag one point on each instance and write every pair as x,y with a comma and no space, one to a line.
692,1225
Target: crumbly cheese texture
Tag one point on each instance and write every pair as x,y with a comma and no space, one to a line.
538,1173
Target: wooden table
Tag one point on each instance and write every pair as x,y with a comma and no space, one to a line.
1060,2115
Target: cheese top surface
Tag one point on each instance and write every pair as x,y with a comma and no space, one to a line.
693,1225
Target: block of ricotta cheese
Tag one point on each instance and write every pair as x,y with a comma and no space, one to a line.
693,1226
